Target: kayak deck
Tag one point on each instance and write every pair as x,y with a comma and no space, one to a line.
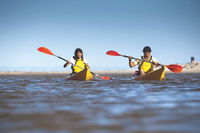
155,75
82,75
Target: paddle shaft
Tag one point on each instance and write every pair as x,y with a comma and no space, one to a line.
138,59
131,57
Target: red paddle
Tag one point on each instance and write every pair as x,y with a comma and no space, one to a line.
47,51
173,67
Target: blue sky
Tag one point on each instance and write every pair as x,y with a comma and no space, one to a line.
170,27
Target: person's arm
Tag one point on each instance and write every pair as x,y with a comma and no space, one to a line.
132,64
71,61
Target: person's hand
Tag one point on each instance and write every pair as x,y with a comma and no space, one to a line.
65,65
130,57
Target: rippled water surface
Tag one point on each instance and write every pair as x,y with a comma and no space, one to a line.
52,104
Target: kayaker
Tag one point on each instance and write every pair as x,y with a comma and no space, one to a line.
80,62
144,67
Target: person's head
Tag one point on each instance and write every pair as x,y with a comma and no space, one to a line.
147,51
78,53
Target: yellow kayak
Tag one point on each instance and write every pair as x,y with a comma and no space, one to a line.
155,75
82,75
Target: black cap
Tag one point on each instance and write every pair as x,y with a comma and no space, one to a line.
146,49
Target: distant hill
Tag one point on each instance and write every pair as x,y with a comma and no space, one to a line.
192,67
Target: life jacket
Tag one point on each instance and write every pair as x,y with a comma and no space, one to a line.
80,63
146,66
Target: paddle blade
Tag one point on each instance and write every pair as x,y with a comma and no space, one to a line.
175,68
45,50
112,53
105,78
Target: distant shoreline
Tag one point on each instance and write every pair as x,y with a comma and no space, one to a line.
66,73
187,68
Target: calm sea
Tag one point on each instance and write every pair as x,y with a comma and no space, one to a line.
52,104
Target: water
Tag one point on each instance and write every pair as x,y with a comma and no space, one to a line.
51,104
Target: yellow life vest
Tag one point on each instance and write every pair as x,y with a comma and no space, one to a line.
146,66
81,65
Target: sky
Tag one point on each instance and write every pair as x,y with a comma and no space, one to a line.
170,27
